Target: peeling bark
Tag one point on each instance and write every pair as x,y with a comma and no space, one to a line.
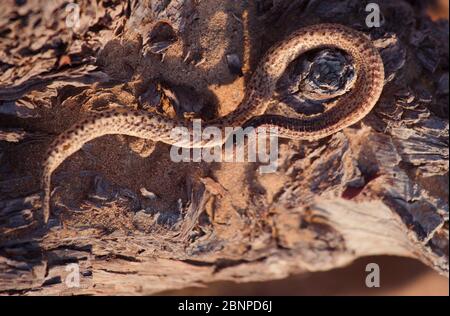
136,223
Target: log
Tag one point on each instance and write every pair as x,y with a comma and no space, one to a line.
128,220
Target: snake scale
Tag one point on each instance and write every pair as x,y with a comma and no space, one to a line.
349,109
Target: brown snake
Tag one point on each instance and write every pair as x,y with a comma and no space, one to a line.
350,108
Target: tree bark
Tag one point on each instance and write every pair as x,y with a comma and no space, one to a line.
128,220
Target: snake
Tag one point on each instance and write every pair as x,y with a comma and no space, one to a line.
348,110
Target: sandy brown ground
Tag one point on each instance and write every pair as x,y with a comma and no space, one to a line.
399,277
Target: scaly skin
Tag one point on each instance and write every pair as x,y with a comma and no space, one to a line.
350,108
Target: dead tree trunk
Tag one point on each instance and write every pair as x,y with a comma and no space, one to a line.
131,221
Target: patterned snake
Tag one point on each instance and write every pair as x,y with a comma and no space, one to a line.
349,109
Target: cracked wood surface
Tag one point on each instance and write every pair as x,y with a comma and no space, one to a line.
136,223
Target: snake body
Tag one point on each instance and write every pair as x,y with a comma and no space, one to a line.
350,108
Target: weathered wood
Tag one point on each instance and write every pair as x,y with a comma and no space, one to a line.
134,222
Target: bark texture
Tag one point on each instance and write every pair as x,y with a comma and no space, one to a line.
134,222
